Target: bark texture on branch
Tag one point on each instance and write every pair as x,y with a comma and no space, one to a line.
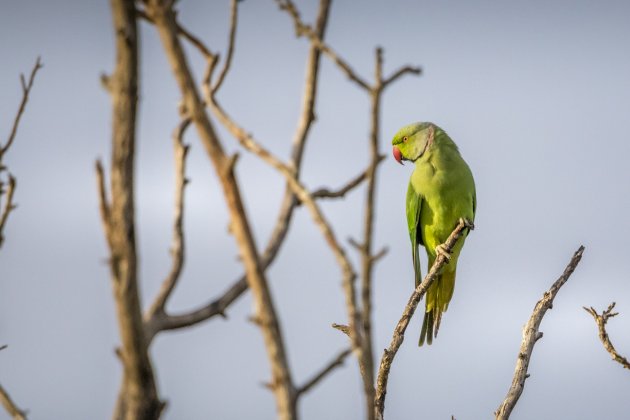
399,331
138,398
601,321
163,16
530,336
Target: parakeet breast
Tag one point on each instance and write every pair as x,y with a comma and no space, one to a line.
446,184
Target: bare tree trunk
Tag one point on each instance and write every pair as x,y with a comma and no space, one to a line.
138,397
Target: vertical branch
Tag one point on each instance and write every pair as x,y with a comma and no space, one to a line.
530,336
138,397
9,205
367,260
230,50
265,314
157,312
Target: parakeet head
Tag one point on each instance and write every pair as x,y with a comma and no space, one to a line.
413,140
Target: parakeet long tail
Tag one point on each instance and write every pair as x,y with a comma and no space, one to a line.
437,299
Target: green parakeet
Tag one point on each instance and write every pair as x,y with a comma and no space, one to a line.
441,191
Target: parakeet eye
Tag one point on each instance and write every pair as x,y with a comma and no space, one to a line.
405,139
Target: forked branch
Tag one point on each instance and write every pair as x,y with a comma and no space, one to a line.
302,29
530,336
157,309
26,90
167,27
9,188
601,321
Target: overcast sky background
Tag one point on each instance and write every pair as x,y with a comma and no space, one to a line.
536,95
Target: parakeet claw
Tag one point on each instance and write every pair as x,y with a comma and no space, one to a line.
441,250
470,225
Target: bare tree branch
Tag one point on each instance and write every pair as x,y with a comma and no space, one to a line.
601,321
530,336
399,331
351,185
248,142
26,90
8,205
104,205
302,29
325,371
365,249
401,72
219,305
157,309
283,389
188,36
138,398
10,406
230,50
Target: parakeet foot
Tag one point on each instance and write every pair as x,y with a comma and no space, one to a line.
470,225
441,249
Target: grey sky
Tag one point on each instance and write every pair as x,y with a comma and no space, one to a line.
537,96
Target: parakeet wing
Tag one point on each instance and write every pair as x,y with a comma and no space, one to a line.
414,206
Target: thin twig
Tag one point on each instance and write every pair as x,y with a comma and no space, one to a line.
401,72
351,185
177,250
230,50
193,39
4,346
530,336
104,205
10,406
302,29
380,254
325,371
8,206
399,331
601,321
26,90
365,250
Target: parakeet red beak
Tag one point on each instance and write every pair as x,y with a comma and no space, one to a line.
397,155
